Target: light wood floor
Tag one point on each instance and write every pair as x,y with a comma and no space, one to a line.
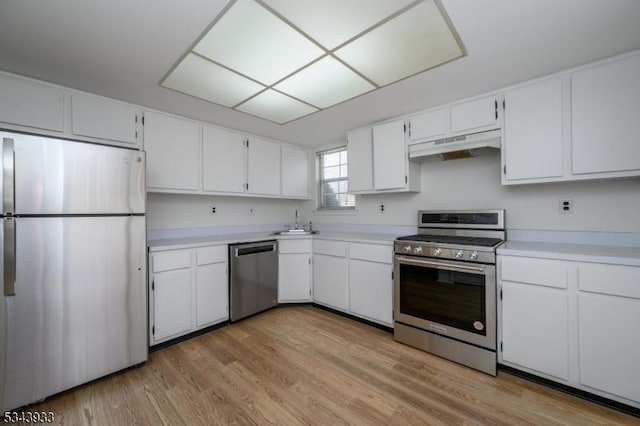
303,365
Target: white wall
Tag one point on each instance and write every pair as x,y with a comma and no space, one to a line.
170,211
474,183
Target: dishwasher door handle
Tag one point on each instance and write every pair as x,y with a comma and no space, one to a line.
247,250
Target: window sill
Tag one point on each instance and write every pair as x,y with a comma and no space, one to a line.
329,212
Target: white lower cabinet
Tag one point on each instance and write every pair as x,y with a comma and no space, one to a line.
294,271
577,323
188,291
370,282
354,278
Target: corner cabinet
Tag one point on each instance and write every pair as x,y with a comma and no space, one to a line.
576,323
294,270
295,172
188,291
378,160
263,167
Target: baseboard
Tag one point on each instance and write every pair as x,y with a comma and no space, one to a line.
355,318
597,399
187,336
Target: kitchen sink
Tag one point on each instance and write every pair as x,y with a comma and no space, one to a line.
295,232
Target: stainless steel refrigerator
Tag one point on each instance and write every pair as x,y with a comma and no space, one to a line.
73,234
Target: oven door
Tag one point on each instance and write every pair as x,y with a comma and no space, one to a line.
455,299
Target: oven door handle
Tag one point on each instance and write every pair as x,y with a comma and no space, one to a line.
460,268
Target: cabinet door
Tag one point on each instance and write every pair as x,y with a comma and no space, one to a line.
533,131
173,152
389,156
103,119
430,124
330,286
295,172
370,290
172,303
535,328
263,167
211,294
31,104
605,108
609,348
475,115
360,160
223,161
294,277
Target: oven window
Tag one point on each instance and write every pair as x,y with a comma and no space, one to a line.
455,299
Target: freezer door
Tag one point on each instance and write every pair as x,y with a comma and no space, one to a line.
53,176
80,308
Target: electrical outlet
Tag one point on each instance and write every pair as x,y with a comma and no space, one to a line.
565,205
381,208
252,211
212,210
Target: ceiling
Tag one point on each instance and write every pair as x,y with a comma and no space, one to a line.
122,49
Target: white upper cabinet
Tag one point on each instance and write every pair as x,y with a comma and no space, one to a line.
263,167
31,104
223,160
477,115
104,119
533,132
295,172
389,156
360,160
429,125
605,107
173,153
473,116
378,160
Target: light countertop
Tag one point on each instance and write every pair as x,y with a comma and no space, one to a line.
178,243
615,255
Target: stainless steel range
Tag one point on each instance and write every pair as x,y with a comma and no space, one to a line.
445,286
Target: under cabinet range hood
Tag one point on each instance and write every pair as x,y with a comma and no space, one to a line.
456,146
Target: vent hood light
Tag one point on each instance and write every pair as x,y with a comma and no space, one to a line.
281,60
447,148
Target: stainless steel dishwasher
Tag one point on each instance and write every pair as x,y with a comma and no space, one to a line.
253,279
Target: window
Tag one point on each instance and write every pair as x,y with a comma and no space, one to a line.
334,183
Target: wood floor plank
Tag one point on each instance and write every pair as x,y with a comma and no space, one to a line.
307,366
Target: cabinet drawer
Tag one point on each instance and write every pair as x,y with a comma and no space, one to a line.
371,252
331,248
610,279
544,272
215,254
167,261
294,246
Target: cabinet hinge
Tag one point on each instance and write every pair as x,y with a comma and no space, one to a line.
153,285
246,185
153,330
500,294
405,128
504,169
247,143
136,119
496,103
409,129
501,348
504,104
309,292
406,179
309,261
391,275
136,134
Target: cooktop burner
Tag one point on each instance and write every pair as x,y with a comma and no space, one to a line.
452,239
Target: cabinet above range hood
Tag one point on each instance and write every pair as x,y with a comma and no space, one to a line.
456,146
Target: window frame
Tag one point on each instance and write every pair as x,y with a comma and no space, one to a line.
321,206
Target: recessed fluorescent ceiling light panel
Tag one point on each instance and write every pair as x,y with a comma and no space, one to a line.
284,59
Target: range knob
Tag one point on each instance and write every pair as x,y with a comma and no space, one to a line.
406,249
437,252
459,254
474,255
417,250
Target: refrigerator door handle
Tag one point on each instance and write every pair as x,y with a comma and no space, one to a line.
8,183
9,250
